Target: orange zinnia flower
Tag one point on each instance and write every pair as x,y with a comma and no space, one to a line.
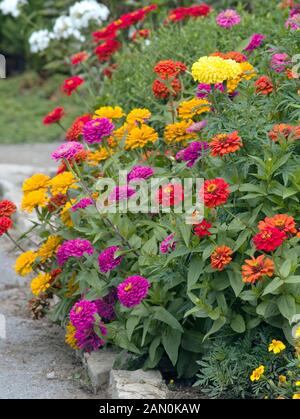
284,131
263,85
214,192
283,222
232,55
255,268
225,143
221,257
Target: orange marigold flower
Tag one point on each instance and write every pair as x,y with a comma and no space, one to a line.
284,131
225,143
168,68
263,85
215,192
283,222
255,269
221,257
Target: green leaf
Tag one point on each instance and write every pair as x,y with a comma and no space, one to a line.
241,240
185,231
146,326
294,279
217,324
195,269
208,251
192,341
131,324
272,286
236,282
287,306
171,339
285,268
150,247
153,347
161,314
238,324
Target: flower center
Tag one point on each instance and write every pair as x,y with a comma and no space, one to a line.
211,188
128,287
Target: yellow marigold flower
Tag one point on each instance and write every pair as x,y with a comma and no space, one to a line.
193,107
48,249
25,262
176,133
35,182
276,346
257,373
296,396
282,379
212,70
70,336
109,112
62,182
96,157
65,214
138,115
34,199
40,284
139,137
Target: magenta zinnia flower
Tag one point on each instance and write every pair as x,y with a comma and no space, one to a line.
67,151
279,62
140,172
95,130
133,290
228,18
82,314
121,192
82,204
194,151
105,306
167,244
73,248
255,42
88,340
107,260
197,126
293,22
204,89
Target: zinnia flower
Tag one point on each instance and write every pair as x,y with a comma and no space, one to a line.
32,200
138,115
40,284
75,131
88,340
109,112
120,193
180,13
283,222
25,262
228,18
196,126
139,137
67,151
293,22
79,57
161,91
221,257
36,182
212,70
73,248
192,152
82,314
107,260
95,130
257,373
269,239
215,192
49,248
223,144
231,55
105,308
276,346
7,208
263,85
167,244
133,290
56,202
255,42
70,336
71,84
54,116
279,62
177,132
82,204
107,49
202,229
284,131
203,89
170,194
140,172
62,182
169,69
193,107
5,224
255,269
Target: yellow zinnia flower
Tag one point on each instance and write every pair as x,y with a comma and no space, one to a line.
276,346
139,137
257,373
97,156
35,182
62,182
212,70
65,214
109,112
48,249
282,379
34,199
40,284
70,336
296,396
138,115
248,73
25,262
176,133
297,383
193,107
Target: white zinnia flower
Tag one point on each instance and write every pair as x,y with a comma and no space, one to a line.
64,28
83,12
39,40
11,7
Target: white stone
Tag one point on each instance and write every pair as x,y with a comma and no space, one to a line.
137,384
51,375
98,366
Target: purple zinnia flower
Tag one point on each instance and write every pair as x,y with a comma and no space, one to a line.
279,62
140,172
95,130
107,260
192,152
197,126
167,244
105,306
73,248
204,89
293,22
255,42
67,150
82,314
83,203
121,192
133,290
88,340
228,18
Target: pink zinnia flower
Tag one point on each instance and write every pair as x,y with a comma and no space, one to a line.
88,340
133,290
204,89
293,22
140,172
193,152
82,314
167,244
255,42
105,305
279,62
82,204
197,126
96,129
121,192
73,248
228,18
67,151
107,260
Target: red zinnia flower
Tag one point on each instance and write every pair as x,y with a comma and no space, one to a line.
79,57
180,13
110,32
71,84
263,85
221,257
108,71
170,194
232,55
141,33
7,208
269,239
56,202
215,192
107,49
75,131
225,143
284,131
168,68
79,157
161,91
283,222
54,116
5,224
256,268
202,229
